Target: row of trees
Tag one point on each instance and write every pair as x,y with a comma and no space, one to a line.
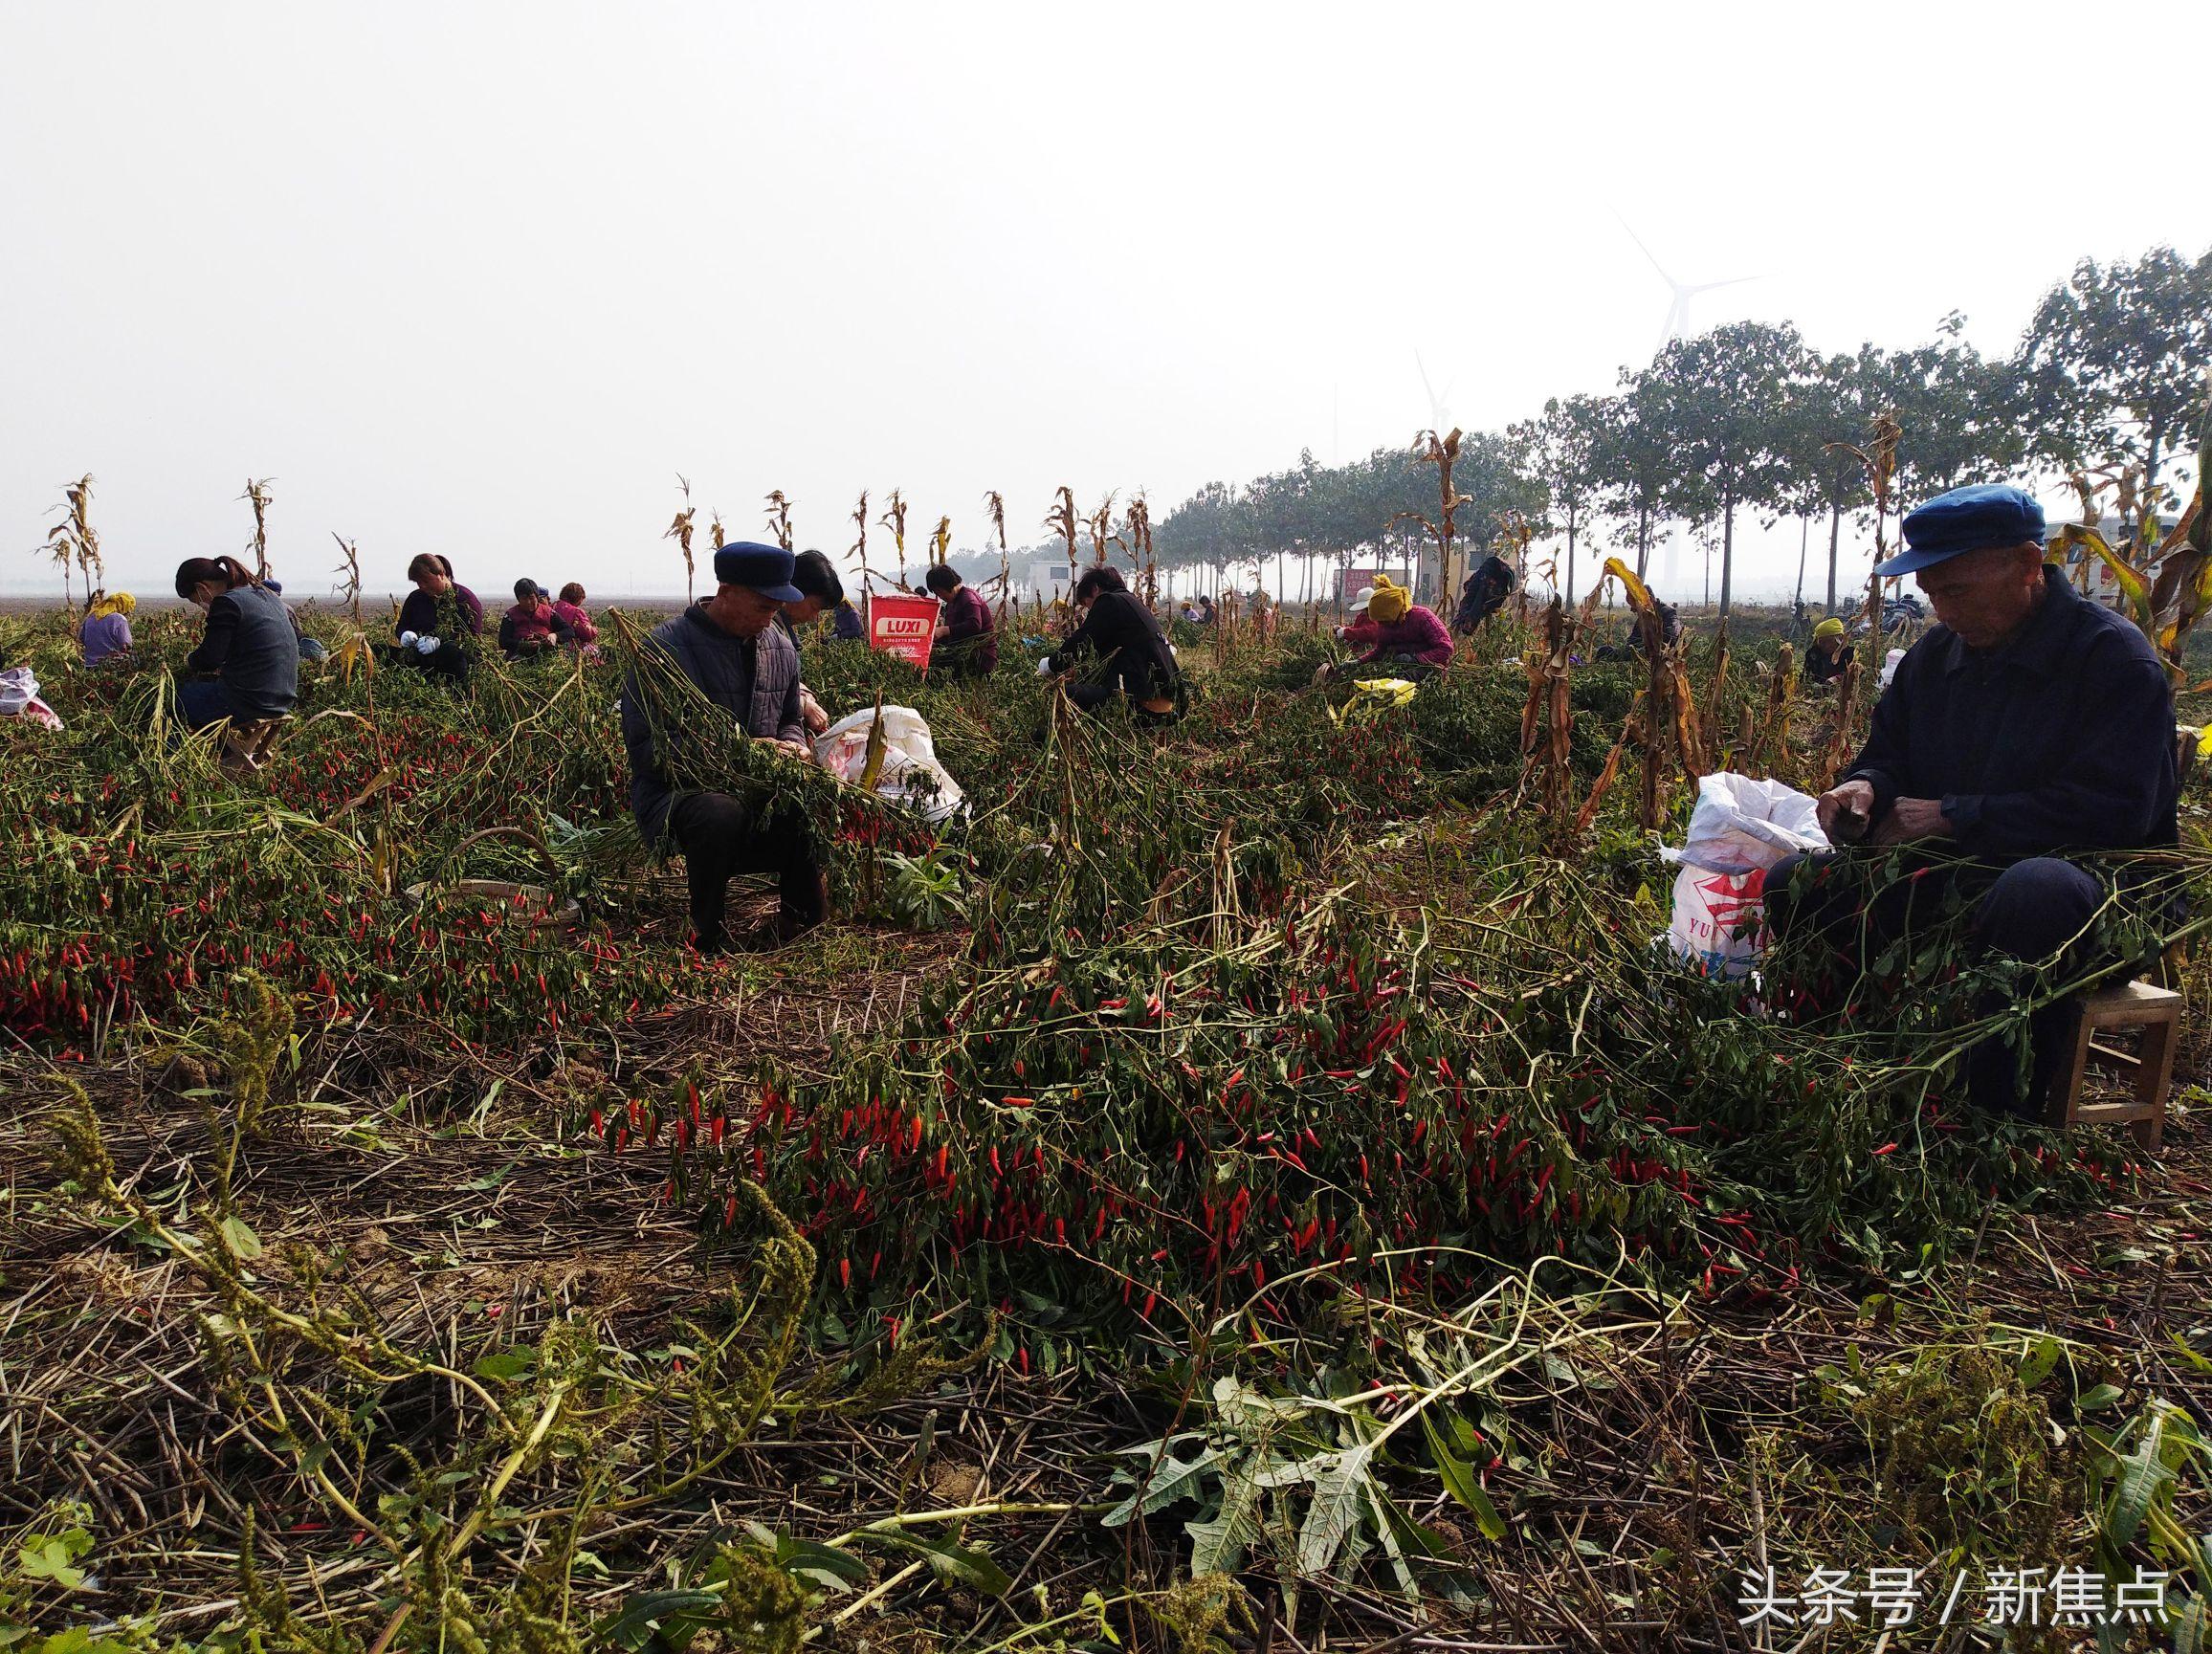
1747,422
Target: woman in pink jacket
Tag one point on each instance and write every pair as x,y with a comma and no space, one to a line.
1407,635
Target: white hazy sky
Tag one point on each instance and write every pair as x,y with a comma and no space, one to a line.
482,279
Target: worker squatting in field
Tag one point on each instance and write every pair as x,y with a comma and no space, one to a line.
248,660
731,649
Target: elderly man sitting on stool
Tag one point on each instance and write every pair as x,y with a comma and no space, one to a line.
2031,722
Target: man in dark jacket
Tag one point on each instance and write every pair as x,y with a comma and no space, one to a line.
729,646
2030,723
1485,593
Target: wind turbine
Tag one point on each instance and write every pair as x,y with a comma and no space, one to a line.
1677,323
1439,415
1676,326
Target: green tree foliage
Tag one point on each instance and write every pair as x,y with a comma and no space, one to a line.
1565,452
1339,513
1744,417
1635,462
2115,360
1726,394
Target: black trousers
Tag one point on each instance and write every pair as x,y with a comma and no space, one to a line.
1097,691
2028,910
722,836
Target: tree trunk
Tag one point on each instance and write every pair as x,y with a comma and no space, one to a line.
1726,547
1835,540
1571,514
1643,541
1805,541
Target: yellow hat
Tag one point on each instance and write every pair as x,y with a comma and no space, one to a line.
1389,603
1830,628
115,603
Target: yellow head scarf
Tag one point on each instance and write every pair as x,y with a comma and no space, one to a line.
114,602
1829,628
1389,603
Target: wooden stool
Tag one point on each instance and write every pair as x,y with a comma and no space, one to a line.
246,745
2158,1013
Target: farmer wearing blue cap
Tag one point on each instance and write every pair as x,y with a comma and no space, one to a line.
730,648
2028,724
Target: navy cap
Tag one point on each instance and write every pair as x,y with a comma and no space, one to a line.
765,569
1966,520
273,586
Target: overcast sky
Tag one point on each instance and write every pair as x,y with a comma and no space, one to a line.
483,279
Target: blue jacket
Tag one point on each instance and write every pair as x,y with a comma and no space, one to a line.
2061,739
755,680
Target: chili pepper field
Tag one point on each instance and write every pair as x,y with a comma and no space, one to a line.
1252,1185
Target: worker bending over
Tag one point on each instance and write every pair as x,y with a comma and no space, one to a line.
248,659
1134,660
1831,649
1407,637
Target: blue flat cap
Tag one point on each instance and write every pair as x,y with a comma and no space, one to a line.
765,569
1966,520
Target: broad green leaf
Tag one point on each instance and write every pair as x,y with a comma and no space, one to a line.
1387,1532
1218,1544
52,1559
1340,1483
952,1563
505,1365
2036,1366
832,1569
651,1616
238,1235
1461,1483
1161,1484
2099,1398
2143,1476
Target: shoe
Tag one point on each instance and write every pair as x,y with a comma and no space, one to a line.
711,945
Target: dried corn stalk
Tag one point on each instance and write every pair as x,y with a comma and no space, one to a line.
894,518
941,539
1441,452
1138,521
780,518
1548,717
73,541
259,494
350,591
1062,519
680,531
1099,524
1666,714
995,506
860,545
